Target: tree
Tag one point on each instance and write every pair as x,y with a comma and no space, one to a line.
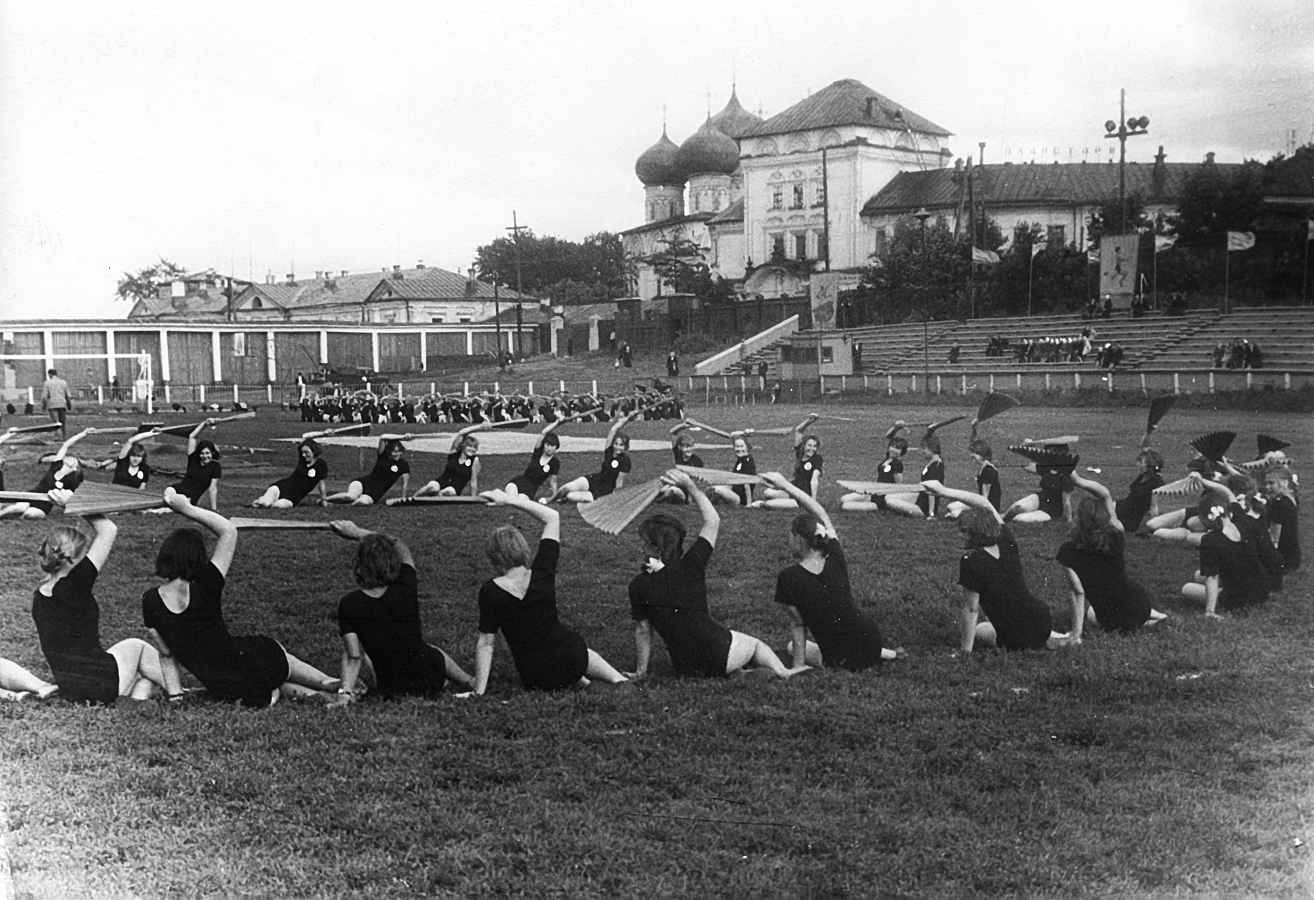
1215,200
144,283
1106,217
554,267
681,266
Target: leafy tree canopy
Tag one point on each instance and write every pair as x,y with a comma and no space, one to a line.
144,283
566,271
1216,200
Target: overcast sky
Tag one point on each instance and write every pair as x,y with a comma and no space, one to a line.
296,136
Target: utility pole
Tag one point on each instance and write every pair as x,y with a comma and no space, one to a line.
515,229
825,207
1125,128
971,229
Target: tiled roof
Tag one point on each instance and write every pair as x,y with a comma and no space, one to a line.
437,284
845,103
667,223
1029,185
732,213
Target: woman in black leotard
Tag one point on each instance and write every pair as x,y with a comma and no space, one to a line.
64,474
185,620
1231,575
308,476
816,593
544,464
380,624
521,602
670,597
130,468
462,469
1093,560
203,469
615,467
990,574
390,465
807,469
67,620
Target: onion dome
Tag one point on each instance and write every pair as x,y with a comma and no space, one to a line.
659,164
735,121
709,150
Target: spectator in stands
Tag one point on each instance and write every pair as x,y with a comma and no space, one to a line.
1220,352
1138,307
1092,310
857,358
954,351
1176,304
1256,358
672,364
1106,312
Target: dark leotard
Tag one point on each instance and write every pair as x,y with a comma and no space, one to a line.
389,630
68,625
1132,508
536,473
127,478
302,481
987,479
847,639
803,469
232,667
929,504
1283,511
603,482
1021,621
67,482
674,601
383,476
1242,581
456,474
198,477
744,465
1120,604
548,655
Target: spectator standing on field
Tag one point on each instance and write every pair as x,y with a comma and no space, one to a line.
54,397
762,370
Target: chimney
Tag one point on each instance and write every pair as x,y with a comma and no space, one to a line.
1209,158
291,278
420,264
1158,173
344,273
871,107
269,278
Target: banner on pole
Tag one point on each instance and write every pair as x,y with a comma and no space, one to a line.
1036,248
1118,267
1164,242
825,289
985,257
1240,240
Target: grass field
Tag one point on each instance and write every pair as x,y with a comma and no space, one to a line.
1176,763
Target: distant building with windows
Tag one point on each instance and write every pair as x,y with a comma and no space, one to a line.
424,294
1060,197
769,200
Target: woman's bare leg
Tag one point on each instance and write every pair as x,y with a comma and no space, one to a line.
745,648
986,635
139,668
811,653
267,499
15,678
1027,504
1031,517
455,672
350,495
305,675
904,507
601,670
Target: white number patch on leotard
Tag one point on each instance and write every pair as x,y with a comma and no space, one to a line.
310,473
394,470
807,467
614,464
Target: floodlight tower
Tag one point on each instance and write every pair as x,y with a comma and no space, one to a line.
1123,129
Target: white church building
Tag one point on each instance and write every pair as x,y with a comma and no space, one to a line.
771,201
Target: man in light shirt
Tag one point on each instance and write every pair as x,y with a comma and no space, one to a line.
54,397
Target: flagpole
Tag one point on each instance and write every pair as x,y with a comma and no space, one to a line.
1031,266
1154,302
1227,268
1304,283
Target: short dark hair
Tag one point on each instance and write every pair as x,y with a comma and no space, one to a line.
182,555
666,533
981,448
805,525
980,527
932,444
900,443
378,561
51,372
551,440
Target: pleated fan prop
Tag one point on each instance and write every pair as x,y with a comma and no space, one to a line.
993,405
880,488
184,430
1258,468
508,424
720,476
92,498
610,514
363,428
936,426
1049,453
1159,407
1214,445
29,429
1269,444
458,500
248,523
694,423
1185,492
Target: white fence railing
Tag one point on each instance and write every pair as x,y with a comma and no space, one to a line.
747,347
